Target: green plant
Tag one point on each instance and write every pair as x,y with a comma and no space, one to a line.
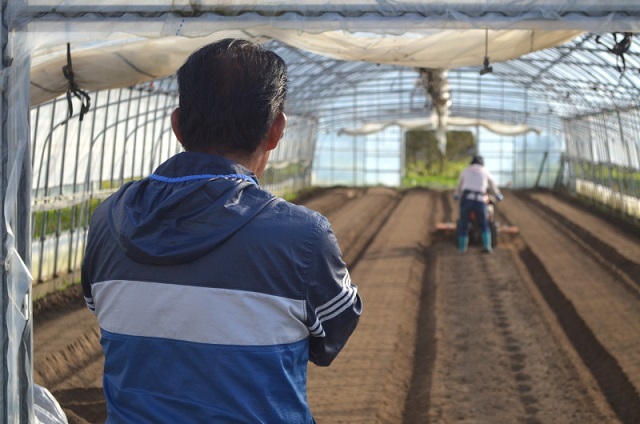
50,222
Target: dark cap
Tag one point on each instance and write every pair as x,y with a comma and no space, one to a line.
479,160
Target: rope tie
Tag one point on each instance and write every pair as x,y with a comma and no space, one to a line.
85,100
619,48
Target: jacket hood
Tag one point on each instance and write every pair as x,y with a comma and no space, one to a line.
190,205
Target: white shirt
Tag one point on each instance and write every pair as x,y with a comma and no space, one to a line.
476,178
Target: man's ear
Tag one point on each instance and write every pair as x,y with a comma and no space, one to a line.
175,123
276,132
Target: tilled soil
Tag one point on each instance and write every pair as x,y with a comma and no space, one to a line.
546,329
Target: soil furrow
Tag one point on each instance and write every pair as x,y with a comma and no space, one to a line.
599,316
624,256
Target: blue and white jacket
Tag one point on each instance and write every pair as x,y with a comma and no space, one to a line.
212,295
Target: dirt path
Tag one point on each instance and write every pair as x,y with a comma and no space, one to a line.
529,334
368,381
496,359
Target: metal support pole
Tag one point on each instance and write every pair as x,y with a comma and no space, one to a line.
624,186
541,169
16,372
4,374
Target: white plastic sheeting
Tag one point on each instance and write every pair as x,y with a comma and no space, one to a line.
429,124
46,407
117,44
15,173
125,60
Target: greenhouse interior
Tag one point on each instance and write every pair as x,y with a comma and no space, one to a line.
548,92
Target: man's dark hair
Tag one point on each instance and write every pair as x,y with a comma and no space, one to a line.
231,91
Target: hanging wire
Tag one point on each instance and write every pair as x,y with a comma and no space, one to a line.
487,69
85,100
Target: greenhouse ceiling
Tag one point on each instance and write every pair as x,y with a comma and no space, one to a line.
579,77
580,57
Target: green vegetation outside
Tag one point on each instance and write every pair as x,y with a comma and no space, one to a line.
619,178
71,217
426,167
65,216
77,216
275,175
445,181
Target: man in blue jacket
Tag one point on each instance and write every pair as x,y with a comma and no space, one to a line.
212,294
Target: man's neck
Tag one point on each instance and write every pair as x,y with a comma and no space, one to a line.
255,162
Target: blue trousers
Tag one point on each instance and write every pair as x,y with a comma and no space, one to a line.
467,206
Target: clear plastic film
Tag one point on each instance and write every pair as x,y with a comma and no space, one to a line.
16,169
